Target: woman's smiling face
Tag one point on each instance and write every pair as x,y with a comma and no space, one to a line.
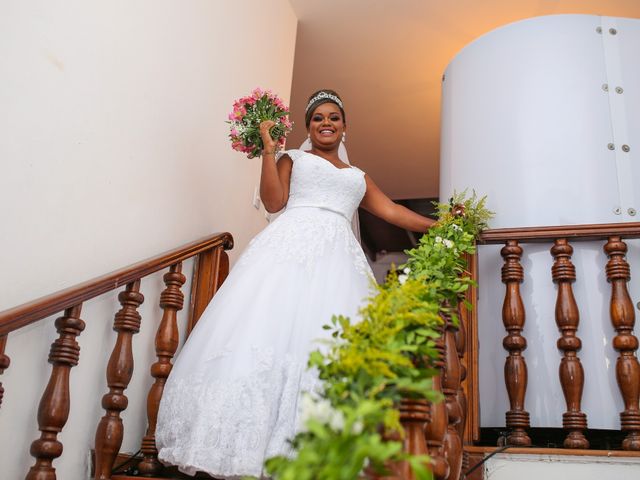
327,125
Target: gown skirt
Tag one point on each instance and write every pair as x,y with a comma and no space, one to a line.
231,401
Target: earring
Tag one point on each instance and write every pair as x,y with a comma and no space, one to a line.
344,137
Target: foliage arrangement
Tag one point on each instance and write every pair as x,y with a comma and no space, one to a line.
352,427
248,112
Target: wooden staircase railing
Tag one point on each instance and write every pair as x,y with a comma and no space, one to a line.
455,422
571,374
210,269
439,429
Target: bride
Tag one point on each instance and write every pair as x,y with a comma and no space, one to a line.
232,397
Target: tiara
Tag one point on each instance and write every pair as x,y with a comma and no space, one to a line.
322,95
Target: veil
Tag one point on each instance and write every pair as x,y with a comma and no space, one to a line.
342,154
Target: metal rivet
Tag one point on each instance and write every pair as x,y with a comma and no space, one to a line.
632,212
619,90
598,29
605,87
611,146
617,210
626,148
613,31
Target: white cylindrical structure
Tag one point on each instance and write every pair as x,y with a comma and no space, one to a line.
543,117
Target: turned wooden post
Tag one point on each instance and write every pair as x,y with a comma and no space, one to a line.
450,388
625,343
414,415
567,318
119,371
210,269
436,429
461,396
55,403
515,368
4,363
171,301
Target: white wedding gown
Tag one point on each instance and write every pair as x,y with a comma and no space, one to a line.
231,400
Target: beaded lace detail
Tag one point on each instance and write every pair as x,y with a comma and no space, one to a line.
237,446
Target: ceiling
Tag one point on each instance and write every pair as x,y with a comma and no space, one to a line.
386,59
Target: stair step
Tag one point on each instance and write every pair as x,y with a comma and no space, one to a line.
169,474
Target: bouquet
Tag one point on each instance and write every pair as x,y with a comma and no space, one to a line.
249,112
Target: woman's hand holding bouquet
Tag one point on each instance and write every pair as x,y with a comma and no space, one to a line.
259,122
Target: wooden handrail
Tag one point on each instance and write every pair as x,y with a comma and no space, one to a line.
30,312
549,233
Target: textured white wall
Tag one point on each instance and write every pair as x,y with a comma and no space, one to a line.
113,149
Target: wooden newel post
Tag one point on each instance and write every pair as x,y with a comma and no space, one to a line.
567,318
119,371
515,368
623,320
171,301
55,404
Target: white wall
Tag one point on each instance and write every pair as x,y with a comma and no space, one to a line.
113,149
560,467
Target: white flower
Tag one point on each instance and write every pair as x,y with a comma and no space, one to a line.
402,278
337,421
324,411
321,411
447,243
455,227
438,239
406,270
357,427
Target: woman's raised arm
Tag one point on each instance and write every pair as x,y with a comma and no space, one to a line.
376,202
275,176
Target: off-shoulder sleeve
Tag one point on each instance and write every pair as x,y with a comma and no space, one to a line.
293,154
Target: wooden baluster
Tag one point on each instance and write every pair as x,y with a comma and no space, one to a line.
515,368
55,403
450,387
468,352
625,343
461,396
436,429
4,362
171,301
567,319
119,371
414,415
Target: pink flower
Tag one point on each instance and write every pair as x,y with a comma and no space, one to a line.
234,132
238,113
257,93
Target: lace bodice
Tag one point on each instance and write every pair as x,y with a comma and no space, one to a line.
317,183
